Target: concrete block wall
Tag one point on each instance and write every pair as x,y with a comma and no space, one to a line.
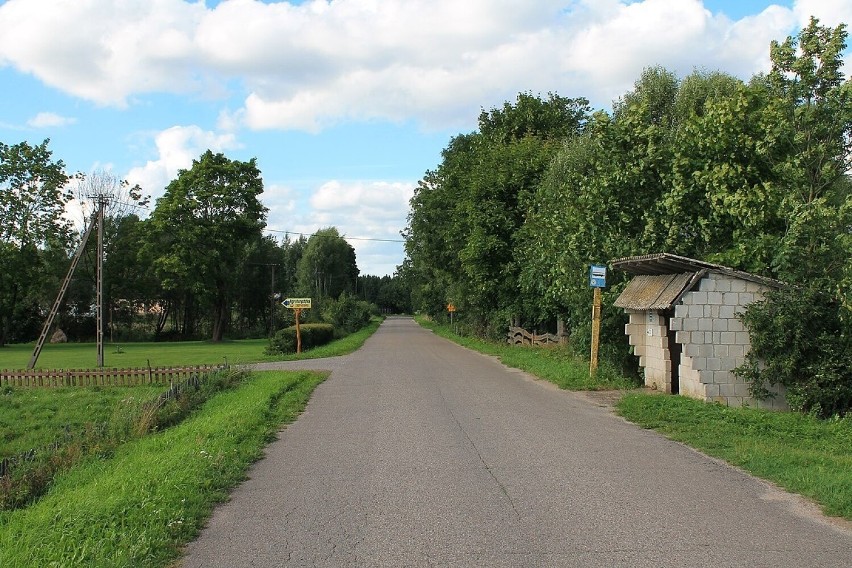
715,341
647,334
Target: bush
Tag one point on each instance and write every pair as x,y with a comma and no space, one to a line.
800,340
348,314
313,335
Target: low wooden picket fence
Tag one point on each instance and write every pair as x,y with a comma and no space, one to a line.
100,377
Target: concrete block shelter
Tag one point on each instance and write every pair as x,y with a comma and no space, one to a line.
684,326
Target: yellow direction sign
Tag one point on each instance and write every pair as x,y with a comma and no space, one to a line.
297,303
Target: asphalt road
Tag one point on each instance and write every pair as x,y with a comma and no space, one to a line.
416,452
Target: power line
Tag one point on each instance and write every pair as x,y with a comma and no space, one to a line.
332,236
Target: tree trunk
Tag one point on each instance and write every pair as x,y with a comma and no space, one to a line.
220,316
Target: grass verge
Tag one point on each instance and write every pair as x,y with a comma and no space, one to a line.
555,364
798,452
153,495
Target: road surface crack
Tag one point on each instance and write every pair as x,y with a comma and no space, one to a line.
487,467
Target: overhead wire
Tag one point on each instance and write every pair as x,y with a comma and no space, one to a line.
332,236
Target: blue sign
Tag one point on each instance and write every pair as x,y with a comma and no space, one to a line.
597,276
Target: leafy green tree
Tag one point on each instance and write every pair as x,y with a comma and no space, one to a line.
465,214
390,293
33,194
292,251
812,109
719,203
799,340
327,267
593,204
801,336
260,290
202,229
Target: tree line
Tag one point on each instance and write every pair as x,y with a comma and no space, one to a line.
198,266
753,175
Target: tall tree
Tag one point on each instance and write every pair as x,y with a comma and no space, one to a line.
811,110
202,228
465,214
33,194
327,267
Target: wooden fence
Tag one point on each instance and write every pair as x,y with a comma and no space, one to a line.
100,377
520,336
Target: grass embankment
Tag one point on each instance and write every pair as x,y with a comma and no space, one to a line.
800,453
138,507
168,354
555,364
32,418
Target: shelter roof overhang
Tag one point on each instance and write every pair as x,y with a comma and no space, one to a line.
660,280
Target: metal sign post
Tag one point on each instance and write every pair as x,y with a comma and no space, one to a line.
597,280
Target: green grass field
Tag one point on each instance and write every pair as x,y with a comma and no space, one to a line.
167,354
33,418
129,355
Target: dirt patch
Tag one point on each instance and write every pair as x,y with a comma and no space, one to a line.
609,398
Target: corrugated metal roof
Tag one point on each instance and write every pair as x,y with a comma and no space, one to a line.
656,291
666,263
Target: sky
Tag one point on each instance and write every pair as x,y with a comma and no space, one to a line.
346,104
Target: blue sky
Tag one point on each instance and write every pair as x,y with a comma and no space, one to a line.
345,104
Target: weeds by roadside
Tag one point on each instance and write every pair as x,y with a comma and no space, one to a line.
139,506
30,475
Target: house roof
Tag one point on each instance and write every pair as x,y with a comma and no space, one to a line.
662,279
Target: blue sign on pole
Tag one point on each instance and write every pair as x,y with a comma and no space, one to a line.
597,276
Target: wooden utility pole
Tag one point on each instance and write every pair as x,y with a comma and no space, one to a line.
59,297
99,294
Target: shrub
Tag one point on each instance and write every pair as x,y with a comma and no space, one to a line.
313,335
347,313
800,340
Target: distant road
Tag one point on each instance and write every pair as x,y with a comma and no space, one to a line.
417,452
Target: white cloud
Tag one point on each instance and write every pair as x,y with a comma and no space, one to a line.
282,203
829,12
370,214
176,148
314,64
102,50
49,120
